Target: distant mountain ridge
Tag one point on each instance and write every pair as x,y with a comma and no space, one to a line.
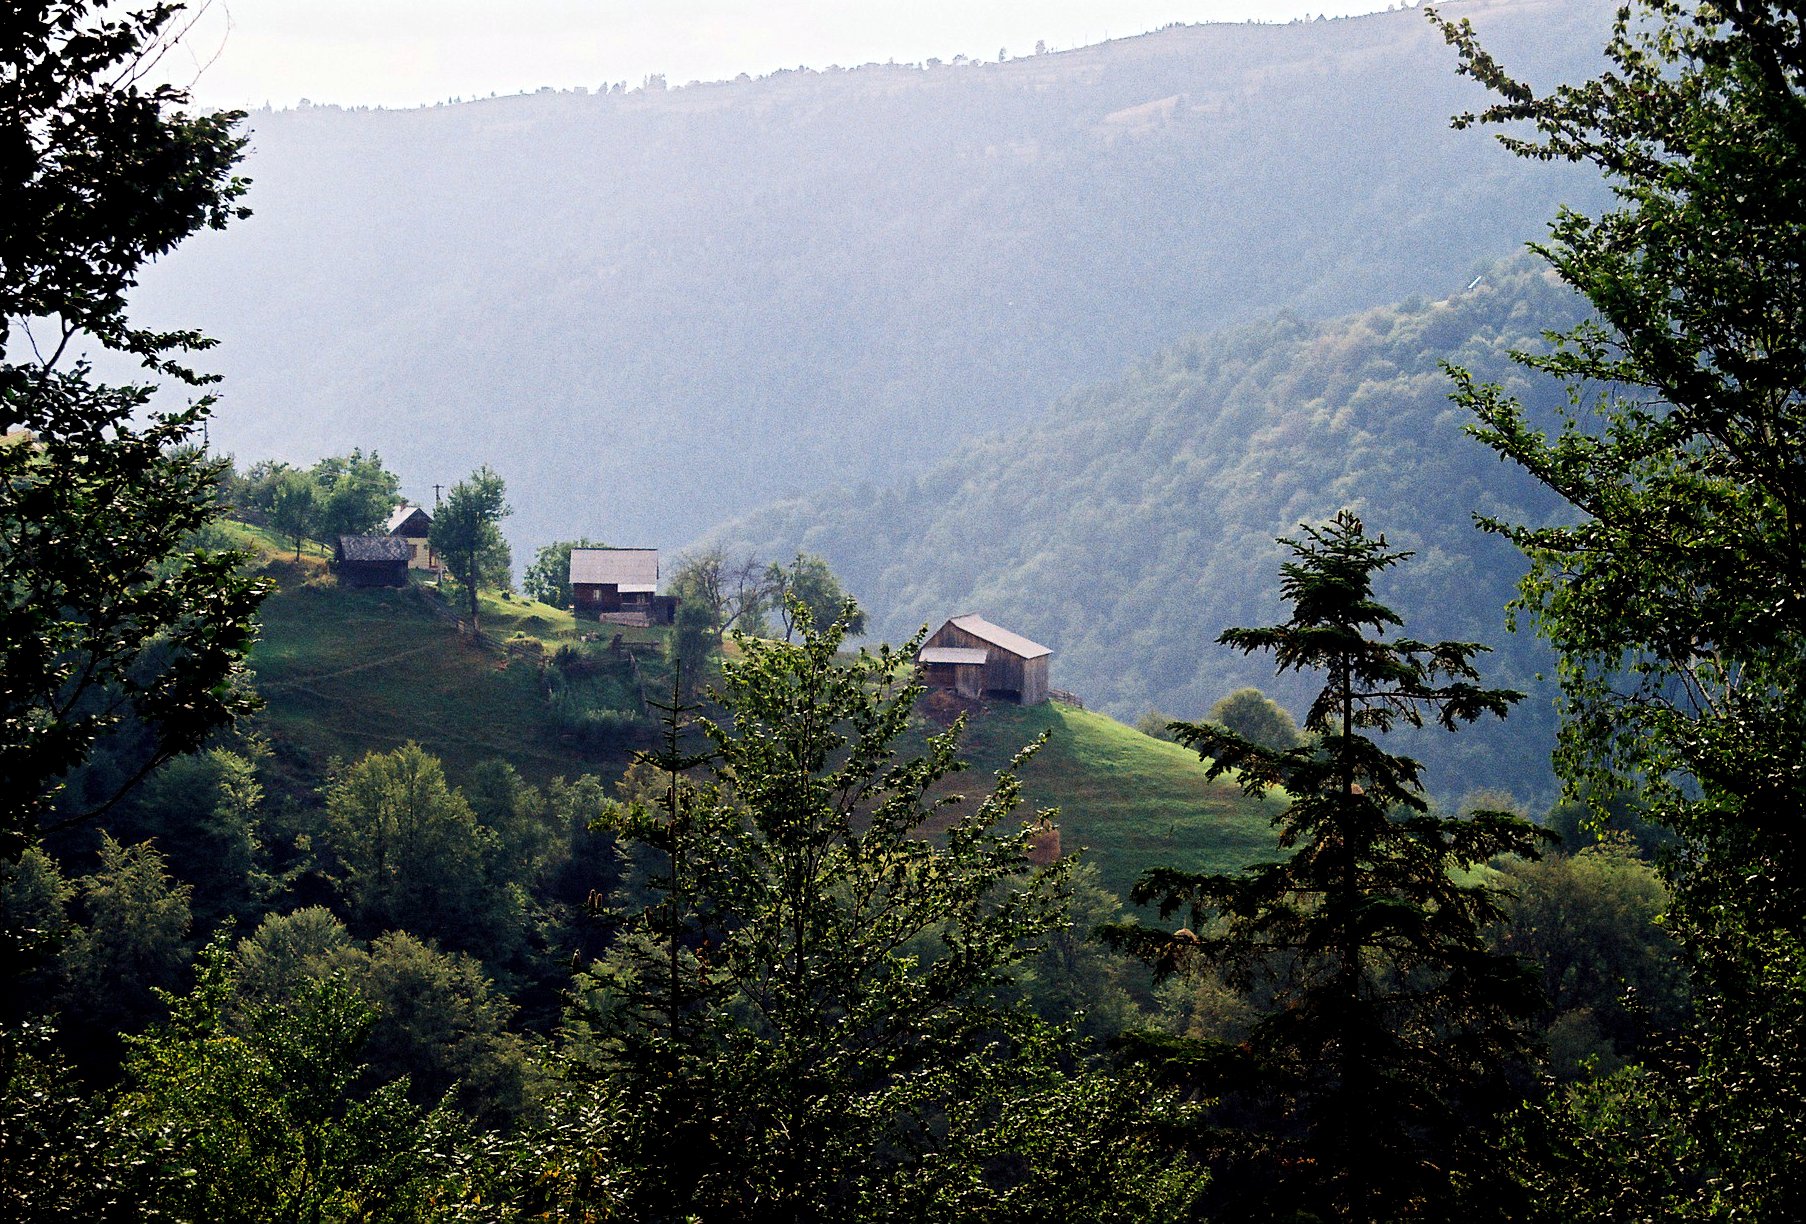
1137,519
652,310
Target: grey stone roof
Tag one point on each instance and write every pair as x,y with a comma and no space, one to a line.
372,548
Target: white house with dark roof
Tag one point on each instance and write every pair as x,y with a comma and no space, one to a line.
975,658
413,526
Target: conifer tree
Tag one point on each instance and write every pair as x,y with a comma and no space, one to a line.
1373,1085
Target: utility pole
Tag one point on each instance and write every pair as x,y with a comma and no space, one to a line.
436,489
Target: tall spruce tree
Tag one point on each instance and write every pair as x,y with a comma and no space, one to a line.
1373,1086
1675,594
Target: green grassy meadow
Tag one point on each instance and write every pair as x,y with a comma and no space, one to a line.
346,672
1126,800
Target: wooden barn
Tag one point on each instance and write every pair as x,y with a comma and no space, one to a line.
619,584
975,658
413,526
959,668
371,561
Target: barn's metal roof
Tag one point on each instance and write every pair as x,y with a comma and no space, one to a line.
627,569
373,548
1015,643
957,655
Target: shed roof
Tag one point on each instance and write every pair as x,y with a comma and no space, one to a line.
957,655
372,548
403,513
627,569
1015,643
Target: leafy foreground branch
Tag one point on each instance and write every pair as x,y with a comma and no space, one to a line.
811,1020
1674,593
113,628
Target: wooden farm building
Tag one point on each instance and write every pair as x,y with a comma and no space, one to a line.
975,658
619,585
412,526
371,561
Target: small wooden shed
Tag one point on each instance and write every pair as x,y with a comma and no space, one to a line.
959,668
371,561
413,526
975,658
619,582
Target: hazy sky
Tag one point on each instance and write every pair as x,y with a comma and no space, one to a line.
411,52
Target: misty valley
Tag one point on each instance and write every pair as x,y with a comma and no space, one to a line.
1205,627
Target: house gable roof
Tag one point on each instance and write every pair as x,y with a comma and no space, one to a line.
403,515
1002,638
372,548
627,569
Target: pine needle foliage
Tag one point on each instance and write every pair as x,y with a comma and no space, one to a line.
1373,1085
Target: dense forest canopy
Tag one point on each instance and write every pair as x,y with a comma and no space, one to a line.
588,292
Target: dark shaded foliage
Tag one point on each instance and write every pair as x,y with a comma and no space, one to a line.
1375,1083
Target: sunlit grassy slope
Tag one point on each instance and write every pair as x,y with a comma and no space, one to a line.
1129,801
346,672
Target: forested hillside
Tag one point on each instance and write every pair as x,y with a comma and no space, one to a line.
650,309
1137,519
346,673
303,916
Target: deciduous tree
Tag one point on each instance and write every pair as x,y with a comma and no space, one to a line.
203,813
815,996
355,495
1612,976
106,616
1156,723
467,534
548,579
412,855
808,580
441,1027
1253,715
1675,595
132,944
294,506
270,1115
34,932
734,591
